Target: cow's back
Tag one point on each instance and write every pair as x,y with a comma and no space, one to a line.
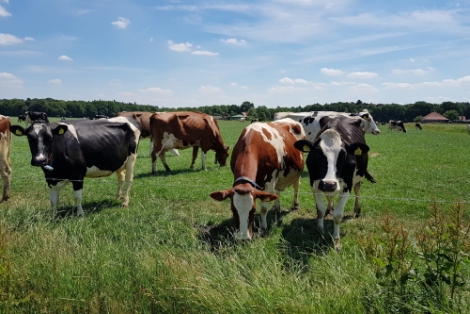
141,117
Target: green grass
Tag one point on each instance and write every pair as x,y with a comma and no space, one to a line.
171,250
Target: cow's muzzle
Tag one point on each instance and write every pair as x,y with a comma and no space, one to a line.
38,162
327,185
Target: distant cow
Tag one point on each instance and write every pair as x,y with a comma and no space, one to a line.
32,116
100,116
22,118
336,162
418,126
63,119
185,129
144,119
5,149
396,125
264,162
70,151
310,120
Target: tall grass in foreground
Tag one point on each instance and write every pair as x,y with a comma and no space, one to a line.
172,250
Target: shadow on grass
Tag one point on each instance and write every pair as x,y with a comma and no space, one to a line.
90,208
222,236
163,173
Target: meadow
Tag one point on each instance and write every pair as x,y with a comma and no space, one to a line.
172,249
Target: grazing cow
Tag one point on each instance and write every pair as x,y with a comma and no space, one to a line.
22,118
185,129
336,162
32,116
264,162
100,116
396,125
418,126
310,120
63,119
144,119
70,151
5,148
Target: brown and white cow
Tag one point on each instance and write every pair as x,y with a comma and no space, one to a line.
264,162
144,119
5,149
185,129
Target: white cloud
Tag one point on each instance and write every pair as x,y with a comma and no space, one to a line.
234,41
285,89
331,72
287,80
209,89
65,58
413,71
364,88
115,83
179,47
239,86
157,90
7,39
362,75
122,22
9,79
398,85
341,83
444,83
55,81
29,38
4,12
204,53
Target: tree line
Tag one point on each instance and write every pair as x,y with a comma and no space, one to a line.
380,112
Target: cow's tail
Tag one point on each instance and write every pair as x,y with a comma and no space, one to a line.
369,177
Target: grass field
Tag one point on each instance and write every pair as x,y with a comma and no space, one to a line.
171,250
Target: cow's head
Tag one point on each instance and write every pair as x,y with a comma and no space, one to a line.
40,135
243,204
221,156
369,125
331,160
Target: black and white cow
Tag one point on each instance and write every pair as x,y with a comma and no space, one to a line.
418,126
396,125
337,162
100,116
32,116
70,151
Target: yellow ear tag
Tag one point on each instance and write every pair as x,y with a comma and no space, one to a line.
358,152
306,148
18,132
61,131
266,199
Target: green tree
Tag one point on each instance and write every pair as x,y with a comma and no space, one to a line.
452,115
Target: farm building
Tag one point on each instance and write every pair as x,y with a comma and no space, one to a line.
434,117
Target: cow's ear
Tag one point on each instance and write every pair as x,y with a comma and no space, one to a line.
60,129
18,130
303,145
357,149
264,196
221,195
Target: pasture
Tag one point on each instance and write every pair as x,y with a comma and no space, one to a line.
171,250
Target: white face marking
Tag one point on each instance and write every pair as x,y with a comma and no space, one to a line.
331,147
242,204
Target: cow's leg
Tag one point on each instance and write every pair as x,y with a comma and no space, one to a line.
54,191
263,210
121,174
296,185
321,209
203,159
163,159
193,161
338,217
153,155
129,172
6,175
357,205
78,195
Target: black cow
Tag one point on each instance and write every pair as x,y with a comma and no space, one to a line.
336,162
100,116
70,151
418,126
21,118
396,125
32,116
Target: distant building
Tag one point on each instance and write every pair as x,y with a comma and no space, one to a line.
434,117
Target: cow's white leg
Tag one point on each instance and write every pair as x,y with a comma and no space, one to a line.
203,159
296,185
54,191
78,195
175,152
129,178
263,210
321,209
120,178
338,217
6,176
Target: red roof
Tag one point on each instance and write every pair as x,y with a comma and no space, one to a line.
434,116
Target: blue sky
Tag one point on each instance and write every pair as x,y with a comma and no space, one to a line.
272,53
